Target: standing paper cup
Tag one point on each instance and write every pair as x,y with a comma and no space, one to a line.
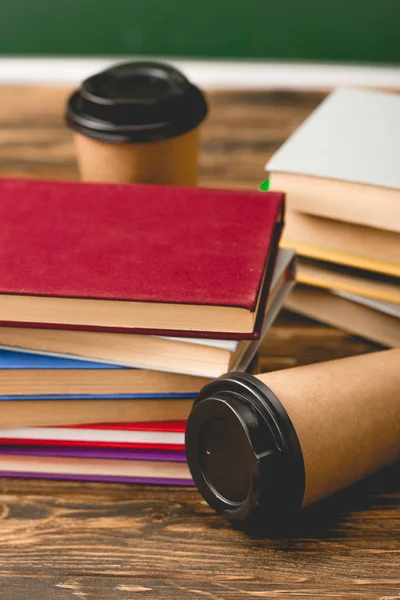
260,448
137,123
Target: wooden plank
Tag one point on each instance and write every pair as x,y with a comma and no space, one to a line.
65,540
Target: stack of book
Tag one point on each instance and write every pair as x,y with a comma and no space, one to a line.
117,304
341,173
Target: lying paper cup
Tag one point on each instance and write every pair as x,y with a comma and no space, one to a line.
137,123
261,447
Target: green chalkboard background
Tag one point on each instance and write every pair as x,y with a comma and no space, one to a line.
337,30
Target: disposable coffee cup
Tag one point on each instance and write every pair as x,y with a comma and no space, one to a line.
137,123
261,447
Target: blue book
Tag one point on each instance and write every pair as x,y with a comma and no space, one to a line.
26,376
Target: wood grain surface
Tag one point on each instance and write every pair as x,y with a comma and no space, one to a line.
63,541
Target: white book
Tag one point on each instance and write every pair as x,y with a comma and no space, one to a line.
343,162
80,434
353,135
229,345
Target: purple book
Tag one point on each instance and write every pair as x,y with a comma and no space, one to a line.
98,453
101,453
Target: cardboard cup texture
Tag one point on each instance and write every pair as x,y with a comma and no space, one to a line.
165,162
346,414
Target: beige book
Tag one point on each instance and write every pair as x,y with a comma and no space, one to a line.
45,413
35,382
324,306
126,314
389,308
343,243
364,204
56,465
331,278
125,349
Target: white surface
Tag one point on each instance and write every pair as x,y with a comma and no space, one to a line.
213,74
94,435
354,135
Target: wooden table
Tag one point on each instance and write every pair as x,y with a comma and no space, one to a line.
63,541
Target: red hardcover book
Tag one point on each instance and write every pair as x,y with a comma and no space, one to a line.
145,259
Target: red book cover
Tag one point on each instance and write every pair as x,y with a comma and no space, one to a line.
137,243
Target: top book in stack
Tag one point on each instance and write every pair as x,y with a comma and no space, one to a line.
140,259
343,162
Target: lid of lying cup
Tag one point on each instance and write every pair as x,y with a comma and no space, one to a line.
136,102
244,454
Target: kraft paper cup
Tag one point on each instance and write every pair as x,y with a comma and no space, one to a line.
137,123
346,414
261,447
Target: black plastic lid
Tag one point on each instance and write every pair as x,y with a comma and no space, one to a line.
136,102
243,452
